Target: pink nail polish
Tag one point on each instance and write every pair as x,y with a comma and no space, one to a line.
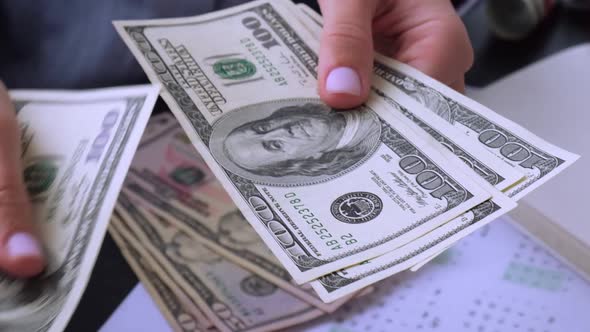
343,80
23,245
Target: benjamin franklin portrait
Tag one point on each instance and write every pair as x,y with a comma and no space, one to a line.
294,142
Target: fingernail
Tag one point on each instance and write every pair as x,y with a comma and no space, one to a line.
343,80
23,245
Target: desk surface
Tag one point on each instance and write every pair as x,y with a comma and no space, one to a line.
112,279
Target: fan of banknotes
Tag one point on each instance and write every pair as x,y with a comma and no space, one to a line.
255,207
264,208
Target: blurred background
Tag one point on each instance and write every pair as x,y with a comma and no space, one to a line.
564,24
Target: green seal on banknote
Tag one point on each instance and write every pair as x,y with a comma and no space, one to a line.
40,174
187,175
234,69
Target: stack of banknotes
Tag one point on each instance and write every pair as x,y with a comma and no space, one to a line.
256,207
192,248
273,203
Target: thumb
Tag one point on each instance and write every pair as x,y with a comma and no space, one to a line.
20,252
346,52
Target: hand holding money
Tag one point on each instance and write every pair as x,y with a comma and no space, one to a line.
345,30
20,252
71,151
343,199
287,208
427,35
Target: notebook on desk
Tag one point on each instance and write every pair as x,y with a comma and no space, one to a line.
552,99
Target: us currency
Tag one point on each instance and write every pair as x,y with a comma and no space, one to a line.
233,298
171,157
423,121
485,164
347,280
169,176
179,311
157,124
514,145
76,149
316,185
229,235
511,143
350,280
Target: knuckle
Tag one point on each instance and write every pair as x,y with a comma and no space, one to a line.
469,56
15,209
347,33
12,193
8,122
451,29
459,32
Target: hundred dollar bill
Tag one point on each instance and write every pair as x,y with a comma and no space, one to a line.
414,254
229,234
510,142
485,164
335,285
438,101
347,280
180,312
168,170
398,260
77,147
317,185
532,156
513,144
233,298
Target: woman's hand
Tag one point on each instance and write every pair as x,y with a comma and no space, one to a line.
21,254
426,34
